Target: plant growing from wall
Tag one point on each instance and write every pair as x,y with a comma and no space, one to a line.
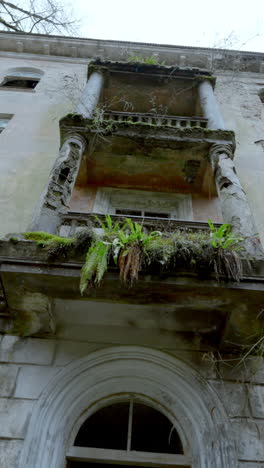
132,249
129,249
227,247
151,60
97,257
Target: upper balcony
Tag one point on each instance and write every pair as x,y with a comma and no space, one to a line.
145,125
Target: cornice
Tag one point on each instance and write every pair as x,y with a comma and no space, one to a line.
79,50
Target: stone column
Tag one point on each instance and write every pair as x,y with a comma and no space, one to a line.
58,191
234,204
209,106
90,96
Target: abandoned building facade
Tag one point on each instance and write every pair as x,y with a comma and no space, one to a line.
163,369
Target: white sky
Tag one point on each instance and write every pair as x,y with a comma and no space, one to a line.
237,24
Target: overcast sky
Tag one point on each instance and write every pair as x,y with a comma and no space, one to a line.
202,23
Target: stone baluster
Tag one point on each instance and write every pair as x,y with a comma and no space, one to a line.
233,200
91,94
209,106
58,191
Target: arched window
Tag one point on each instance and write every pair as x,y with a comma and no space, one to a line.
75,397
127,433
22,78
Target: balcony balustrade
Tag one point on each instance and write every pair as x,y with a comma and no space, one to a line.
156,119
72,222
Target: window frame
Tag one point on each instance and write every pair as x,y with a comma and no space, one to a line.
20,74
178,206
128,456
118,457
9,78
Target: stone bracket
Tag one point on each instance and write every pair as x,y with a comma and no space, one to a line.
24,313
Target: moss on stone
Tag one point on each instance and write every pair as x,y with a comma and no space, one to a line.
44,238
25,323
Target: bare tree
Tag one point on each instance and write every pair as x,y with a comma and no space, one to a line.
37,16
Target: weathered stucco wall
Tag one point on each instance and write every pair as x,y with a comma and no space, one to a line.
30,143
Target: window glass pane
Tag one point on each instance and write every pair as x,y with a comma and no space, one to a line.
153,432
4,122
107,428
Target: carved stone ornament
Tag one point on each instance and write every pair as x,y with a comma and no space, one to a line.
60,184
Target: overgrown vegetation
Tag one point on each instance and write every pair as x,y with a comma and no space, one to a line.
151,60
128,246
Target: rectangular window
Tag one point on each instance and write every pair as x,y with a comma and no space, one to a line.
127,202
144,214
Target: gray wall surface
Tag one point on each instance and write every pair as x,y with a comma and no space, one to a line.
30,142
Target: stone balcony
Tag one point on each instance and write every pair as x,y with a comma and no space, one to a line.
42,298
147,151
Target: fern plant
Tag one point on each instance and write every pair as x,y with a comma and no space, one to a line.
96,260
226,261
223,237
95,264
129,249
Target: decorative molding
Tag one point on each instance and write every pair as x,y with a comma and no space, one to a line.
109,199
217,149
85,385
45,58
121,50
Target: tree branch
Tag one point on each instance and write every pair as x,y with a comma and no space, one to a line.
8,25
51,16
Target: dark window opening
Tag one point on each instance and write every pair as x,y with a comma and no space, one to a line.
63,175
107,428
26,83
130,426
146,214
129,212
150,214
153,432
261,95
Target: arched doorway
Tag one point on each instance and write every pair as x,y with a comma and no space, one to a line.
87,385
